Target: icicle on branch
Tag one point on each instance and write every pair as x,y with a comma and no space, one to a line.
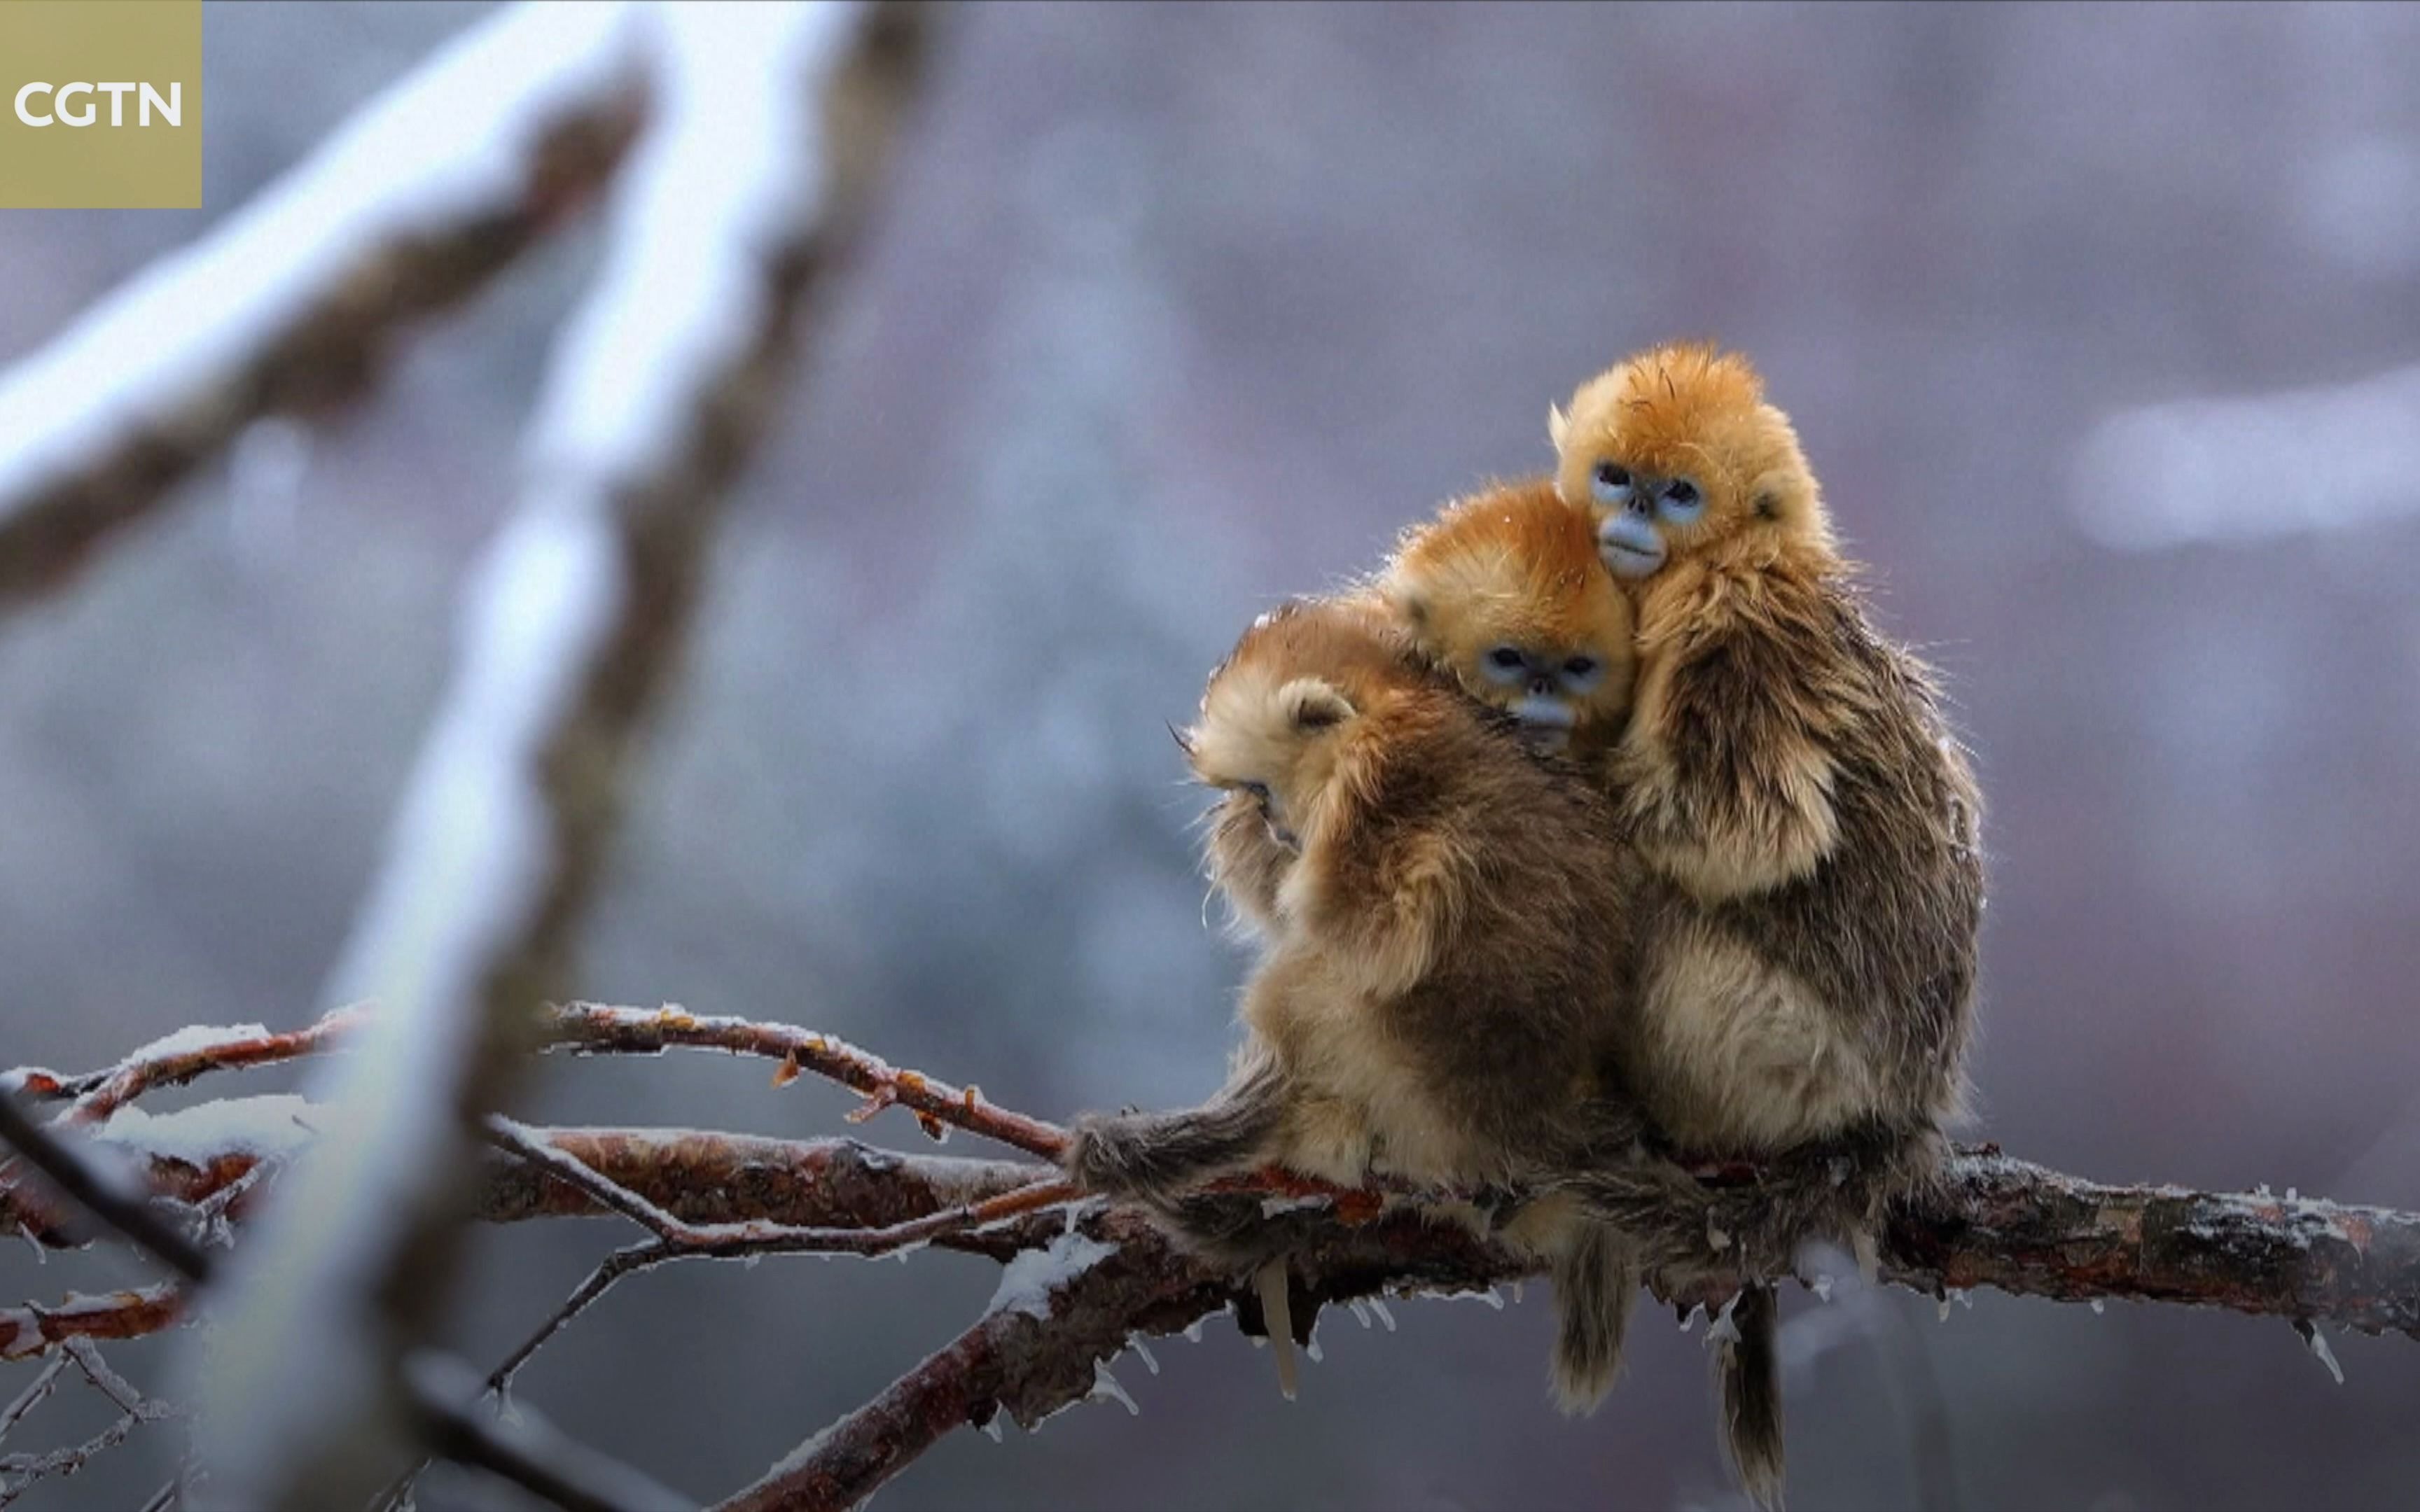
287,306
737,192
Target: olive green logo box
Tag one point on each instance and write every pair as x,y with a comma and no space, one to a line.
100,105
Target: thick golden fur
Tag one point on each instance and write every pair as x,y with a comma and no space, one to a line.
1514,565
1807,948
1440,1000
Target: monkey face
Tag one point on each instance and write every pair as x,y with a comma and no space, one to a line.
1636,511
1504,591
1674,452
1552,689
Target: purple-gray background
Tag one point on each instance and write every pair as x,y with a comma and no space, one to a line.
1175,310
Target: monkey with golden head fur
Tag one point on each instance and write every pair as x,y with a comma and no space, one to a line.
1807,937
1439,998
1504,592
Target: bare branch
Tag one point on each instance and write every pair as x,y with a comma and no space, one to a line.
134,1408
676,1240
29,1330
32,1395
582,1028
287,305
528,1453
183,1057
593,1028
1999,1222
109,1196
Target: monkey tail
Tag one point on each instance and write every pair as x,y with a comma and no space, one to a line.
1596,1277
1747,1376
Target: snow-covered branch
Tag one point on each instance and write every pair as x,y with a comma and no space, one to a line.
745,180
287,305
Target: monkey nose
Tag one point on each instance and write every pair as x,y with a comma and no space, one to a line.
1542,687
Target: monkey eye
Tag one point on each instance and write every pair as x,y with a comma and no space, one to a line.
1504,664
1260,791
1505,656
1580,667
1681,501
1612,484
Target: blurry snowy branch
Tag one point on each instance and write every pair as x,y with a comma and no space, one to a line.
289,304
765,127
1081,1282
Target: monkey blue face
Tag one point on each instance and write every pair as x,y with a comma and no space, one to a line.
1543,688
1641,509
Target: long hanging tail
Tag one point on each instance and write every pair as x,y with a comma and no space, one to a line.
1596,1281
1747,1376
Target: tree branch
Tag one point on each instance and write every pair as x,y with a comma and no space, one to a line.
1998,1223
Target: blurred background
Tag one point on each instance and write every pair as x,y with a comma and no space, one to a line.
2100,324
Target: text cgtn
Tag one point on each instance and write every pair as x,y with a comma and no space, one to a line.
62,110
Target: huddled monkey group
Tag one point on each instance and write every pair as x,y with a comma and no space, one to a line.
1594,838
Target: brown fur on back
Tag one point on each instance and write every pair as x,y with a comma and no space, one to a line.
1440,967
1445,980
1867,894
1807,942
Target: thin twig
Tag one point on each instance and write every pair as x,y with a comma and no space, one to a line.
32,1395
594,1028
29,1330
98,1094
105,1380
528,1453
682,1240
675,1240
132,1406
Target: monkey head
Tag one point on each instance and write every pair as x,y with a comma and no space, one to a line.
1504,591
1677,455
1273,722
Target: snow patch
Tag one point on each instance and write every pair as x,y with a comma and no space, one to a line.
1029,1282
198,1040
260,1127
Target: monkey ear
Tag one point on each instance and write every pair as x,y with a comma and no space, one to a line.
1556,424
1313,704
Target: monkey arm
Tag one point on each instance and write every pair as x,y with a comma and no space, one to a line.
1248,865
1725,777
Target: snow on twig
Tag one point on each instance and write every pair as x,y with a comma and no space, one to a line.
568,632
432,188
